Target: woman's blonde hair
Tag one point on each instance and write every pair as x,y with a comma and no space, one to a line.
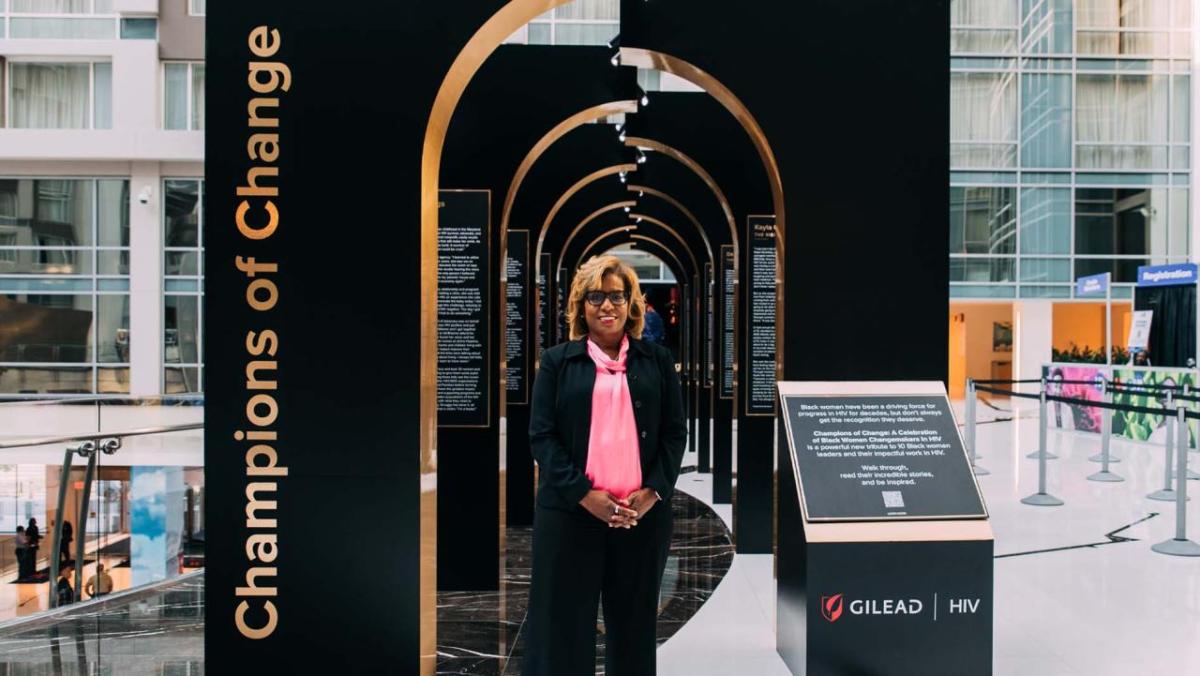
590,277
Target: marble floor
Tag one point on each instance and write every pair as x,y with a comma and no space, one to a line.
481,632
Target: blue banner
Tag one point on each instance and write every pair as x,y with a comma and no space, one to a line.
1092,285
1167,275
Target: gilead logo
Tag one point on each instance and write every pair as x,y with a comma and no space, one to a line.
831,607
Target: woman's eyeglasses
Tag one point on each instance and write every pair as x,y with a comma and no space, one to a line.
597,297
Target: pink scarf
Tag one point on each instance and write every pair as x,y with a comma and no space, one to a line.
614,459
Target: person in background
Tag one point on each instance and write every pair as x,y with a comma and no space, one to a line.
21,543
65,593
99,584
35,537
654,330
68,534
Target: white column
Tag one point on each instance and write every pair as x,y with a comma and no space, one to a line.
146,280
1033,337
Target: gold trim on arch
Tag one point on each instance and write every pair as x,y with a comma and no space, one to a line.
633,218
586,116
645,58
510,18
683,209
697,169
591,217
662,246
566,197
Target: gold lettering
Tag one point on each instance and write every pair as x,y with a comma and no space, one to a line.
250,632
262,400
252,369
269,469
262,547
264,146
252,112
264,43
261,304
253,504
257,233
280,76
253,189
252,588
257,343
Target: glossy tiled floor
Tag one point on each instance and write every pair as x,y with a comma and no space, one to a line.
480,632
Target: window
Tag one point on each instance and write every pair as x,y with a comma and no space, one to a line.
1121,121
583,22
983,120
64,285
983,26
183,270
1133,27
183,96
59,95
61,19
139,29
197,7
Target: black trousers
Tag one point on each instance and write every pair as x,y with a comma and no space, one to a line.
577,561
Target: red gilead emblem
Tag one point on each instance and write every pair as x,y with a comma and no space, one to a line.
831,607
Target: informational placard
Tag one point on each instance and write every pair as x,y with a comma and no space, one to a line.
1139,330
560,305
728,319
543,305
759,391
516,274
464,227
1173,274
710,326
870,458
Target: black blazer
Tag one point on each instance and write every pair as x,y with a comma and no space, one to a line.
561,418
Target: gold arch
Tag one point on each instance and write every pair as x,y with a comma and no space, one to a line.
664,247
585,116
649,219
645,58
683,209
591,217
510,17
566,196
697,169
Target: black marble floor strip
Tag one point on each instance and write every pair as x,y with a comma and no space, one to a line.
480,632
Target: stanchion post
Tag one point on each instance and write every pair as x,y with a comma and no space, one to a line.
1167,492
1105,441
1191,475
1180,545
1042,453
1042,498
1106,421
970,412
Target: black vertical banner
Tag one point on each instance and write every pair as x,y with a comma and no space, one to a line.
760,318
728,320
463,320
313,445
517,311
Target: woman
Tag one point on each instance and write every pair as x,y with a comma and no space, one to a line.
607,430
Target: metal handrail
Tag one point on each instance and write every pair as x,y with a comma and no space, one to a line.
91,399
91,436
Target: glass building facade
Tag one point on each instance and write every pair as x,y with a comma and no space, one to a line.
1069,143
